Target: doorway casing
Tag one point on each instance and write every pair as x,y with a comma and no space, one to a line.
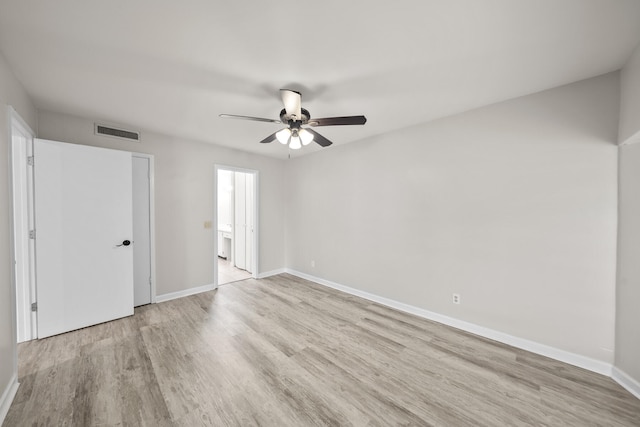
21,138
150,221
256,220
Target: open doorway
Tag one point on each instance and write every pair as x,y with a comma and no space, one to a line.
236,231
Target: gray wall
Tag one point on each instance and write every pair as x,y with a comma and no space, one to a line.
628,288
11,93
628,279
513,206
184,191
630,99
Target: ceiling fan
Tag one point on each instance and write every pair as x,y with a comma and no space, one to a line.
294,116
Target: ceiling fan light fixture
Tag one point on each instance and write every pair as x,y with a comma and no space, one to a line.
305,136
283,136
295,143
293,116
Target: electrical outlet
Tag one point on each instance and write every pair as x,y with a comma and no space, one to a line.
313,264
456,298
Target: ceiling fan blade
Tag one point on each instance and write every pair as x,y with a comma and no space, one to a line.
321,140
338,121
269,139
255,119
292,101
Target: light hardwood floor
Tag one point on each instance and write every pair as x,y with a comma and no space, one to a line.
286,352
227,273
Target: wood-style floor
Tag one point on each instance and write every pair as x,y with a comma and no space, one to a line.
286,352
228,273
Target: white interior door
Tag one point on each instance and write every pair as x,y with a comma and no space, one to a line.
141,231
240,234
83,212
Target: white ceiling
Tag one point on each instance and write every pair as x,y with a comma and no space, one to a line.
172,67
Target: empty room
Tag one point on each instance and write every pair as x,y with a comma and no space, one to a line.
419,213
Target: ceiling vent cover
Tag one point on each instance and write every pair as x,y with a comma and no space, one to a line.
117,133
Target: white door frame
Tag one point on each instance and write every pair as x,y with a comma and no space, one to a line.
256,219
23,269
152,220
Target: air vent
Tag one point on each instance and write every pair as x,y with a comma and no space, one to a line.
117,133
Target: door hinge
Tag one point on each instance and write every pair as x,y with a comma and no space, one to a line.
34,306
150,280
30,160
32,234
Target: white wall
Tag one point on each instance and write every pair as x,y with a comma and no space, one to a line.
628,288
630,99
513,206
627,351
11,93
184,191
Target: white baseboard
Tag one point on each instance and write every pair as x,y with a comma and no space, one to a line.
625,380
206,288
7,397
524,344
271,273
184,293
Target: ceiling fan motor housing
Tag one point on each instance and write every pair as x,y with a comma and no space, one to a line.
288,119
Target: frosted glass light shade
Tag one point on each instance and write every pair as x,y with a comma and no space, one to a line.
295,143
305,136
283,136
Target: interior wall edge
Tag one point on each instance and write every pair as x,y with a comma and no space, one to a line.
633,139
574,359
185,292
626,381
7,396
628,117
266,274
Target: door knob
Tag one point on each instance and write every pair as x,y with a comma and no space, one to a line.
124,243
